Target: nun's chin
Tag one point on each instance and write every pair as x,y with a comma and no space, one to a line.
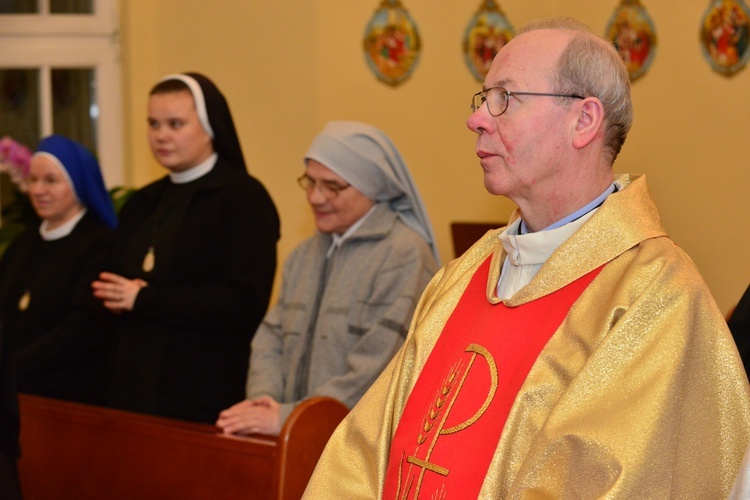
175,167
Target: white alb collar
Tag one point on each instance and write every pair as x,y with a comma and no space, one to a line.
195,172
536,248
62,230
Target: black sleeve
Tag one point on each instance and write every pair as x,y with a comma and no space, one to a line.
9,427
739,324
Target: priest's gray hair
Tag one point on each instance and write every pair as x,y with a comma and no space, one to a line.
590,66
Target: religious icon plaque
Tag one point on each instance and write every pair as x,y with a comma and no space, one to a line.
391,43
724,34
632,32
487,32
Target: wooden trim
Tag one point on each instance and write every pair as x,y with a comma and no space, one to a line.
465,234
77,451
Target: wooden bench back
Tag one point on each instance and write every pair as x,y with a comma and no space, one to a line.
77,451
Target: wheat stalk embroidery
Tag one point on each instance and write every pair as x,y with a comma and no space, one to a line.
428,422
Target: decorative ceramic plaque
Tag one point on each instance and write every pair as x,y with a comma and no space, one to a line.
724,35
488,31
633,34
391,43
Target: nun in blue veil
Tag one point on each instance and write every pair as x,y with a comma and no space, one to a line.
55,326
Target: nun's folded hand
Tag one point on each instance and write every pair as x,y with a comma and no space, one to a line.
116,292
255,416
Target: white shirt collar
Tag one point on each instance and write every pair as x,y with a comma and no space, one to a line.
338,240
195,172
526,253
63,229
578,213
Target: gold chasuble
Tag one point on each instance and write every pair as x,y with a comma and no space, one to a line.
456,412
625,383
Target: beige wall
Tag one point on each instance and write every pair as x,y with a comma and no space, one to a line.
287,68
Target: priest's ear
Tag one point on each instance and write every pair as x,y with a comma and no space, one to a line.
589,121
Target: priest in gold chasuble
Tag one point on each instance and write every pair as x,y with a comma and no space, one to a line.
575,353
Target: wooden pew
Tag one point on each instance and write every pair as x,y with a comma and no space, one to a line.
84,452
465,234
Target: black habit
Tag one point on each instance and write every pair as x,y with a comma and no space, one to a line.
183,350
55,324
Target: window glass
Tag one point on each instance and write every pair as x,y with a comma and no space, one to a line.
55,7
19,105
19,119
71,6
74,108
19,7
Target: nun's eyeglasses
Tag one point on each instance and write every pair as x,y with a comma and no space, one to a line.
328,189
497,99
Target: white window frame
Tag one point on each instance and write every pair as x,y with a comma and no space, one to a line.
46,41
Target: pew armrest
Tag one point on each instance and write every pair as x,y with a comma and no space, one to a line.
301,442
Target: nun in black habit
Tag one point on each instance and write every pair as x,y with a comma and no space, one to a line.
193,262
56,328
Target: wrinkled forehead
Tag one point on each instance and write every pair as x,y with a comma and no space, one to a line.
529,60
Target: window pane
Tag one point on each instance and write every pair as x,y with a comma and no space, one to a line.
19,120
18,7
71,6
19,105
74,108
55,6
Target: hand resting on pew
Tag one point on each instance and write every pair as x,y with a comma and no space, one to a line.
251,416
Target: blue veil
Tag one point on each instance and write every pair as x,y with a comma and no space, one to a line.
84,173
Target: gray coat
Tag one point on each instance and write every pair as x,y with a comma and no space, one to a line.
373,283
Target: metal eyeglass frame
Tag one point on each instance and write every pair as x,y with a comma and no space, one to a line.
482,96
328,189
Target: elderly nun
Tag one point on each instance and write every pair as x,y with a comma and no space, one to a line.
54,323
349,291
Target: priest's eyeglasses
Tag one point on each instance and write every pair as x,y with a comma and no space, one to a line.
497,99
328,189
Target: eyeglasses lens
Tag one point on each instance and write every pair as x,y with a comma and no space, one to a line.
496,99
328,190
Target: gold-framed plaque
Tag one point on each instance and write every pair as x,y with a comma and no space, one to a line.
633,34
391,43
487,32
724,35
